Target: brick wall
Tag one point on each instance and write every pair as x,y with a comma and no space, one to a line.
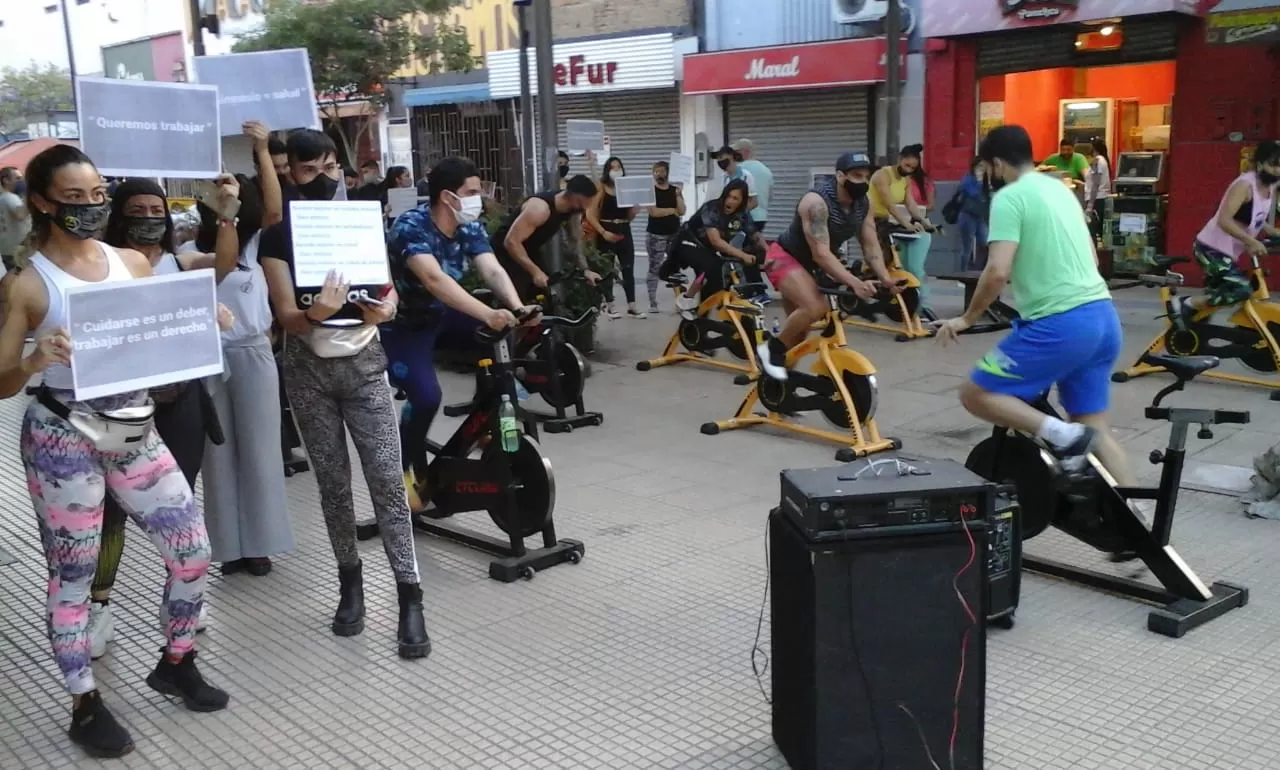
581,18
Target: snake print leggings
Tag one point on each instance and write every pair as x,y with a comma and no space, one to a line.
331,396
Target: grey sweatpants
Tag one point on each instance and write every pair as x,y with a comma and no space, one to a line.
331,396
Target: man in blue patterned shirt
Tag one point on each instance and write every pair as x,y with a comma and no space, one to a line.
430,248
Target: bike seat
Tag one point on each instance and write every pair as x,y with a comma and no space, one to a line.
1164,263
904,235
1184,368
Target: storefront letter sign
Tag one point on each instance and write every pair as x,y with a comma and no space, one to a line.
761,69
1037,9
596,74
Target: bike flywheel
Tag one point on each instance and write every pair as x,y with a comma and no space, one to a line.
571,369
862,389
535,489
911,297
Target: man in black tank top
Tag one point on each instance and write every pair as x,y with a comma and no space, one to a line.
518,242
828,215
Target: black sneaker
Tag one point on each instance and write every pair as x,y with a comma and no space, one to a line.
183,680
773,357
95,729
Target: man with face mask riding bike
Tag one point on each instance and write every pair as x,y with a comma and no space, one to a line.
430,249
834,211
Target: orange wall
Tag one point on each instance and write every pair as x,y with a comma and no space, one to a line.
1031,98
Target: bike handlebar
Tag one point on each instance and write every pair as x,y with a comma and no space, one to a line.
490,336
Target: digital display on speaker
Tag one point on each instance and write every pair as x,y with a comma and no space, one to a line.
906,503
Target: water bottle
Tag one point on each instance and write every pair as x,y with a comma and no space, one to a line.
508,426
777,327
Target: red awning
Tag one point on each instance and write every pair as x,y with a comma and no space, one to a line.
19,154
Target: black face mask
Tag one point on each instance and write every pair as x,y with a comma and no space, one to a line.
564,171
322,188
1267,178
723,163
82,220
856,190
660,179
146,231
20,188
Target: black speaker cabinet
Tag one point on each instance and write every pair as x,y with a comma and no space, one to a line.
866,647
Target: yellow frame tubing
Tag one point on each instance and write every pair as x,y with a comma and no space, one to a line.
675,353
863,443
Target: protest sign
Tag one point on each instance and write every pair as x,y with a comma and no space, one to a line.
132,335
635,190
402,199
141,128
273,87
681,171
584,135
346,236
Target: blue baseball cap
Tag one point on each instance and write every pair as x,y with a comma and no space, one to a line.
853,160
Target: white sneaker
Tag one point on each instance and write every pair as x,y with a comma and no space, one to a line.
101,629
202,622
687,307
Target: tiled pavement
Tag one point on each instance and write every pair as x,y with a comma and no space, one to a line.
639,657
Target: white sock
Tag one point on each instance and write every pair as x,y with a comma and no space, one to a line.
1060,434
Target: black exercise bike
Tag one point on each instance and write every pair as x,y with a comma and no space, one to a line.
473,472
1099,513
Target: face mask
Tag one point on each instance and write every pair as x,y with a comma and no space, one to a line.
564,171
472,208
723,163
146,231
1266,178
20,188
660,179
995,182
856,190
82,220
322,188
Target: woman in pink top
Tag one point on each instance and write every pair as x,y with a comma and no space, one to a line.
1242,217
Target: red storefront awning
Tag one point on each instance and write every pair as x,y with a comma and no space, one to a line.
19,154
780,68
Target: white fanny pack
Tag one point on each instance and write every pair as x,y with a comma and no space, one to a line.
113,430
336,339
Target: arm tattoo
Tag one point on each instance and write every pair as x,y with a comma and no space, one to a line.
818,223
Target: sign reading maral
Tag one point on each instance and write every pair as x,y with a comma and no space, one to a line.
273,87
133,335
141,128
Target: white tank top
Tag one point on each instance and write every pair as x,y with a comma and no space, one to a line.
244,292
56,282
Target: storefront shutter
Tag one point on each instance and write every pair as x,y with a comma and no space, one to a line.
1146,38
796,131
643,128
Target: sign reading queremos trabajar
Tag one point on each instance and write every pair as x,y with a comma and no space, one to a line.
1037,9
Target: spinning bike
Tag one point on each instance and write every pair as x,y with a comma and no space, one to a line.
1103,517
724,321
472,472
1249,335
902,309
841,386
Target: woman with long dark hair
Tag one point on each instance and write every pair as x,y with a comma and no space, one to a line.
709,233
612,224
70,469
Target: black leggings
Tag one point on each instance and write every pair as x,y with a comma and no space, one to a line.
625,251
700,259
181,426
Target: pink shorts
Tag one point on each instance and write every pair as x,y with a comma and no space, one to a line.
779,264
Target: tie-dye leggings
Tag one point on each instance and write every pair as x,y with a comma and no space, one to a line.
68,478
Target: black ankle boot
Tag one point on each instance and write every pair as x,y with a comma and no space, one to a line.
182,679
412,633
95,730
349,619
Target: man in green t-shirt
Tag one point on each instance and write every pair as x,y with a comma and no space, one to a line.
1075,165
1069,333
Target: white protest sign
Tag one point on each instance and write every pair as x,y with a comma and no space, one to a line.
144,333
144,128
402,199
273,87
346,236
681,169
635,190
585,135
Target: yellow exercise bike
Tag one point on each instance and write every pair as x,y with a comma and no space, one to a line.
902,309
723,321
840,385
1249,335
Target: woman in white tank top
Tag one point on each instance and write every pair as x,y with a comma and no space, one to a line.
140,221
68,474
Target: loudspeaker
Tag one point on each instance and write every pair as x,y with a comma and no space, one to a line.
867,638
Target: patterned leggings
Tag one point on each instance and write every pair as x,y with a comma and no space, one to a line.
1225,284
657,247
331,396
68,478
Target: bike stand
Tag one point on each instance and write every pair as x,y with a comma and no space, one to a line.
562,421
514,561
1175,618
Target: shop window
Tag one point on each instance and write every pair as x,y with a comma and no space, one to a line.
1107,37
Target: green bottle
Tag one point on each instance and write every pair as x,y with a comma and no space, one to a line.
508,426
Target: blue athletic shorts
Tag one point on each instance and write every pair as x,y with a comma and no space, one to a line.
1075,350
